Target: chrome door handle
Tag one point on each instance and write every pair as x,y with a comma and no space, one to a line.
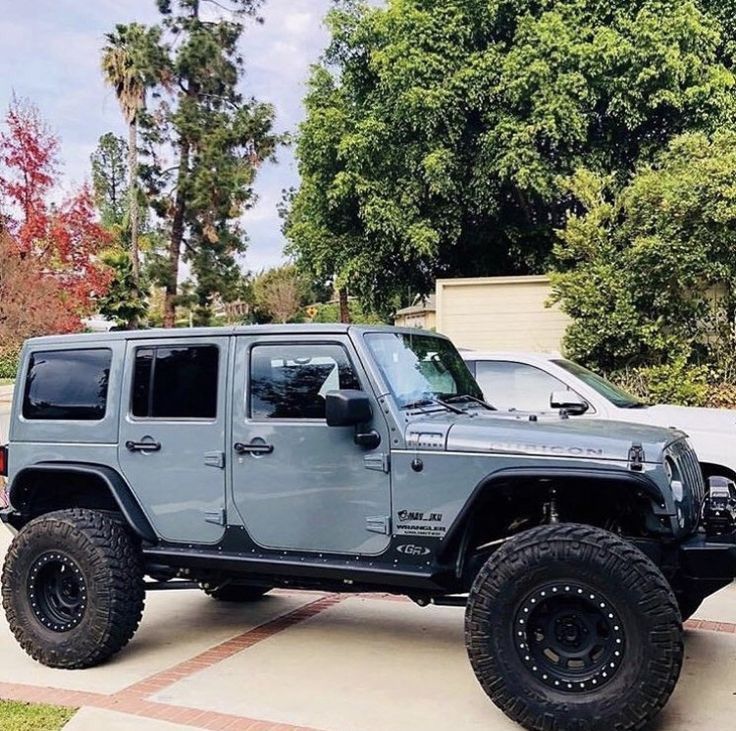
143,446
253,448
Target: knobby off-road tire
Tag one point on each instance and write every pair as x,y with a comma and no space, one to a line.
570,627
238,593
72,588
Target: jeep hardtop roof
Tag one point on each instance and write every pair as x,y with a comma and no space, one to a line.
190,332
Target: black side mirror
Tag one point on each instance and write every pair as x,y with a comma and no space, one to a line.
569,402
347,408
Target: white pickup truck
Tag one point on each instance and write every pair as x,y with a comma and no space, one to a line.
548,382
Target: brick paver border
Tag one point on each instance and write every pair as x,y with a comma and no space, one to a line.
134,699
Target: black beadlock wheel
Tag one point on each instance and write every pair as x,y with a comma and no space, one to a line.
238,593
72,588
571,627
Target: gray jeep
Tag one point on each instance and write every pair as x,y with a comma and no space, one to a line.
354,459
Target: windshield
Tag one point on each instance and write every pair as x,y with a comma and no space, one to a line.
420,368
617,396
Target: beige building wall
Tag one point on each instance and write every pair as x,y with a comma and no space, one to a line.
424,320
500,313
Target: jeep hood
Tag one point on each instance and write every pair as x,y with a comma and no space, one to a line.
529,434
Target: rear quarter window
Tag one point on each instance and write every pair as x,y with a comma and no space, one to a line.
67,385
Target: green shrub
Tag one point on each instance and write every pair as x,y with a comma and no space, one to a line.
722,396
674,383
9,363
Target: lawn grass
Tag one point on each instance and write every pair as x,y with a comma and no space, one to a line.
6,381
27,717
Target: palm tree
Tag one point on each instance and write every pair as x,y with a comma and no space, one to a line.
123,71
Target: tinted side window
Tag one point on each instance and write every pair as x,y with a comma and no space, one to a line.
67,385
290,381
176,382
518,386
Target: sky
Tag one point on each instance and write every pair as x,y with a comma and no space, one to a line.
51,56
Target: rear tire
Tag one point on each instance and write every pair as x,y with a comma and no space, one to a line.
571,627
238,593
72,588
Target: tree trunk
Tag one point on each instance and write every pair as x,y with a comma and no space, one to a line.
133,194
177,236
133,212
344,308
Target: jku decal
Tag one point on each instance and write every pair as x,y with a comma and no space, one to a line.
420,523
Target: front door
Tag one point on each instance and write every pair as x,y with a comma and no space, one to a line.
297,483
172,434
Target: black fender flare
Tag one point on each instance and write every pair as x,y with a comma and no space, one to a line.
113,481
637,481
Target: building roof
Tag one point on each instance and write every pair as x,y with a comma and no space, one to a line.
426,304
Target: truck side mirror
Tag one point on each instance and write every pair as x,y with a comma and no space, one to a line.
347,407
569,402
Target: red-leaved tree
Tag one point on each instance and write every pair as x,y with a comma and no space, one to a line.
60,241
30,302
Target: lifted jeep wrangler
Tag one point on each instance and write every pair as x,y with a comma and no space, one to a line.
356,459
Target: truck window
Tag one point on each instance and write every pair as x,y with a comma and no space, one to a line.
68,385
176,382
291,381
518,386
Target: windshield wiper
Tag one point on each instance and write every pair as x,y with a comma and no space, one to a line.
432,402
468,397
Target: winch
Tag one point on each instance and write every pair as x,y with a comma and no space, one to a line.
719,508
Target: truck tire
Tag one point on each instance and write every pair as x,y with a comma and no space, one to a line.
72,588
571,627
238,593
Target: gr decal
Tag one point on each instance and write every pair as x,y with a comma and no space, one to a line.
409,549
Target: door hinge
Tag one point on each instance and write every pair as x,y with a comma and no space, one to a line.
636,457
378,461
215,459
216,517
378,524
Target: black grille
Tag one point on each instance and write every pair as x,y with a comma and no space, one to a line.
689,468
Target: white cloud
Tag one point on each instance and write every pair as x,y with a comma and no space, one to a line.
299,23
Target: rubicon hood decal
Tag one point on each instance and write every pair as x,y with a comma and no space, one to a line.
553,437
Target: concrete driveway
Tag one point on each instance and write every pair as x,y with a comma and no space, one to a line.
299,660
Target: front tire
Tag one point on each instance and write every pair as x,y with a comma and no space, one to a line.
569,626
72,588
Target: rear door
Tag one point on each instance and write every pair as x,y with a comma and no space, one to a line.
297,483
172,434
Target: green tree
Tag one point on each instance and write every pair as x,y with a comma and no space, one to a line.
437,131
648,272
280,293
128,61
203,144
109,173
122,303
